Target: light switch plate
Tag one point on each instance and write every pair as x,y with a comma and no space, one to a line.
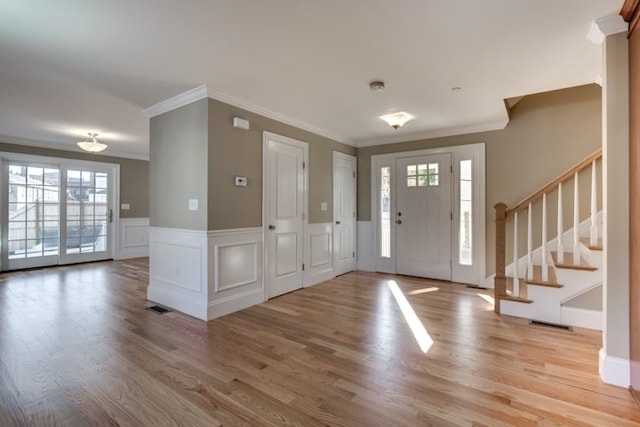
125,206
323,206
193,204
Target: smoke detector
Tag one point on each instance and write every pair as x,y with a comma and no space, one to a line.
376,86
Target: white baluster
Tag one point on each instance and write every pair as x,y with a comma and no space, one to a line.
529,245
560,247
516,280
593,234
576,221
545,273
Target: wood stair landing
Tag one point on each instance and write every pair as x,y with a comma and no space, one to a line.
551,282
587,242
568,262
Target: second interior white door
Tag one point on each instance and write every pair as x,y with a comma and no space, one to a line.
285,189
344,213
423,216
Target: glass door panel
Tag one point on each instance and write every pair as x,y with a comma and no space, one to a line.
87,218
33,215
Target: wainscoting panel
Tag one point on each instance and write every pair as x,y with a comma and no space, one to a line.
366,246
178,270
236,260
320,253
134,238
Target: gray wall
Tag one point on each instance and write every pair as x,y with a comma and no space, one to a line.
134,175
196,153
239,152
548,133
178,167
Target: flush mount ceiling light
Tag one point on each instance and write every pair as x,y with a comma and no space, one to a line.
92,145
396,120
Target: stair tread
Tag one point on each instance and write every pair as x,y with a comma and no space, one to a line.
516,299
522,288
587,242
568,262
536,279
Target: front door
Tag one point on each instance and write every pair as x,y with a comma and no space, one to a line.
344,213
285,195
423,216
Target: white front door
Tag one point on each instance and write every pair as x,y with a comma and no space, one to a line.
423,216
344,213
285,205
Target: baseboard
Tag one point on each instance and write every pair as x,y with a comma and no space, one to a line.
614,371
224,306
590,319
164,295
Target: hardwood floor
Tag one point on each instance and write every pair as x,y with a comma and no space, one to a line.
78,348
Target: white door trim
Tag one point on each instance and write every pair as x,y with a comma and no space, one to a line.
266,136
476,152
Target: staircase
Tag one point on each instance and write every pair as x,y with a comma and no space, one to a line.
560,281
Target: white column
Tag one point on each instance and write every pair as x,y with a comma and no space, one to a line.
516,281
593,232
529,244
576,221
560,247
545,273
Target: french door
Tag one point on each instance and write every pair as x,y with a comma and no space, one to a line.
56,213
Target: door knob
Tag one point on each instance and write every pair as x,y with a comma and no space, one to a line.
272,227
399,213
399,222
338,222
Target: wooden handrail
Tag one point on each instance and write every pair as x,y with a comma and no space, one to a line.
522,205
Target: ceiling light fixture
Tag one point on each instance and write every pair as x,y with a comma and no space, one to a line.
396,120
376,86
92,145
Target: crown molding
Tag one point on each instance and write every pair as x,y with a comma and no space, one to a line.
606,26
203,91
12,140
481,127
257,109
177,101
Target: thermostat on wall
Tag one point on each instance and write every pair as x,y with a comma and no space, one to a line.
241,181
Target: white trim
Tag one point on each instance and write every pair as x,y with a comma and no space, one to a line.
614,370
474,151
177,101
134,238
222,307
203,91
366,246
590,319
606,26
321,258
481,127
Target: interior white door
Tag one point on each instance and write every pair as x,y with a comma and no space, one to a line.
423,216
344,213
284,213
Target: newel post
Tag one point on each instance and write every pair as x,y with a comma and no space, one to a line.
500,281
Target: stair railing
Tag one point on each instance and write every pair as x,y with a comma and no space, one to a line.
505,215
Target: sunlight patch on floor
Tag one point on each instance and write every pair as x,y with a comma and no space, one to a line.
488,299
423,291
419,332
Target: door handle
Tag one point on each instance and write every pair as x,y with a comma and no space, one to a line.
272,227
399,222
110,216
399,213
338,222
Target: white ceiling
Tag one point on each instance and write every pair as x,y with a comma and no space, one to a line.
68,67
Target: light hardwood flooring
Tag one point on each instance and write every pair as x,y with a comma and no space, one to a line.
78,348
